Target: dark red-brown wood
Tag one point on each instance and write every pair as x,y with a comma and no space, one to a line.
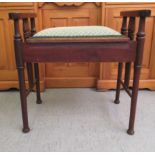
18,15
136,13
123,49
79,52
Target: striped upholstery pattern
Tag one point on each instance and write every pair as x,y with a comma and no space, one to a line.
78,31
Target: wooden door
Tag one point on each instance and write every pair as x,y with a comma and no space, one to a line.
8,72
114,21
67,14
70,14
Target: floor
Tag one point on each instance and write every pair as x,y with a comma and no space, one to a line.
77,120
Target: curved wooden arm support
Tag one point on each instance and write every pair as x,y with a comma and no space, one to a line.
19,15
136,13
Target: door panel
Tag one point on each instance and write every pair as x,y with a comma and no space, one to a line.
70,16
7,60
114,20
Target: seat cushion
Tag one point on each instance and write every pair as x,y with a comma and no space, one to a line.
77,32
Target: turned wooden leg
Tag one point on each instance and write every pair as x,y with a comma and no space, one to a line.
30,74
137,67
127,74
20,68
22,88
130,131
36,70
119,77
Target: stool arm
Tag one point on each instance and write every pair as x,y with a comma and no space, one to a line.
17,15
136,13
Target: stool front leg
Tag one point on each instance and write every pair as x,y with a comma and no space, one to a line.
23,99
130,131
20,68
137,68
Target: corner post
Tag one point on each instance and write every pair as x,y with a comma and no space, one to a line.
120,64
20,68
137,68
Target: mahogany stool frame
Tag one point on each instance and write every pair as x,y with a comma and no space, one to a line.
124,49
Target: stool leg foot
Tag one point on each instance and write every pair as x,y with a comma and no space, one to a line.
116,101
39,101
26,130
130,132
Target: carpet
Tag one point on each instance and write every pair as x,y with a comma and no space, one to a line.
77,120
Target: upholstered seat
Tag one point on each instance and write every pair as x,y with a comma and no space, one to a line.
77,32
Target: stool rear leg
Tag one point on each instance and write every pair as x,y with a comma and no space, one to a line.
119,77
36,71
30,74
127,74
120,65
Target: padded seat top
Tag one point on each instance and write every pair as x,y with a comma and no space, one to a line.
77,32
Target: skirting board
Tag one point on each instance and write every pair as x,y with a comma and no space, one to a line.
111,84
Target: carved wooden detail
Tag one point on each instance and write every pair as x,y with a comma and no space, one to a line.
69,4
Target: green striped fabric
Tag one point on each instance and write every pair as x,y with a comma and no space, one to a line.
78,31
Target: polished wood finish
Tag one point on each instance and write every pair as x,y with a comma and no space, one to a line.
21,76
36,69
138,62
131,30
76,40
137,68
123,50
79,52
120,64
118,88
